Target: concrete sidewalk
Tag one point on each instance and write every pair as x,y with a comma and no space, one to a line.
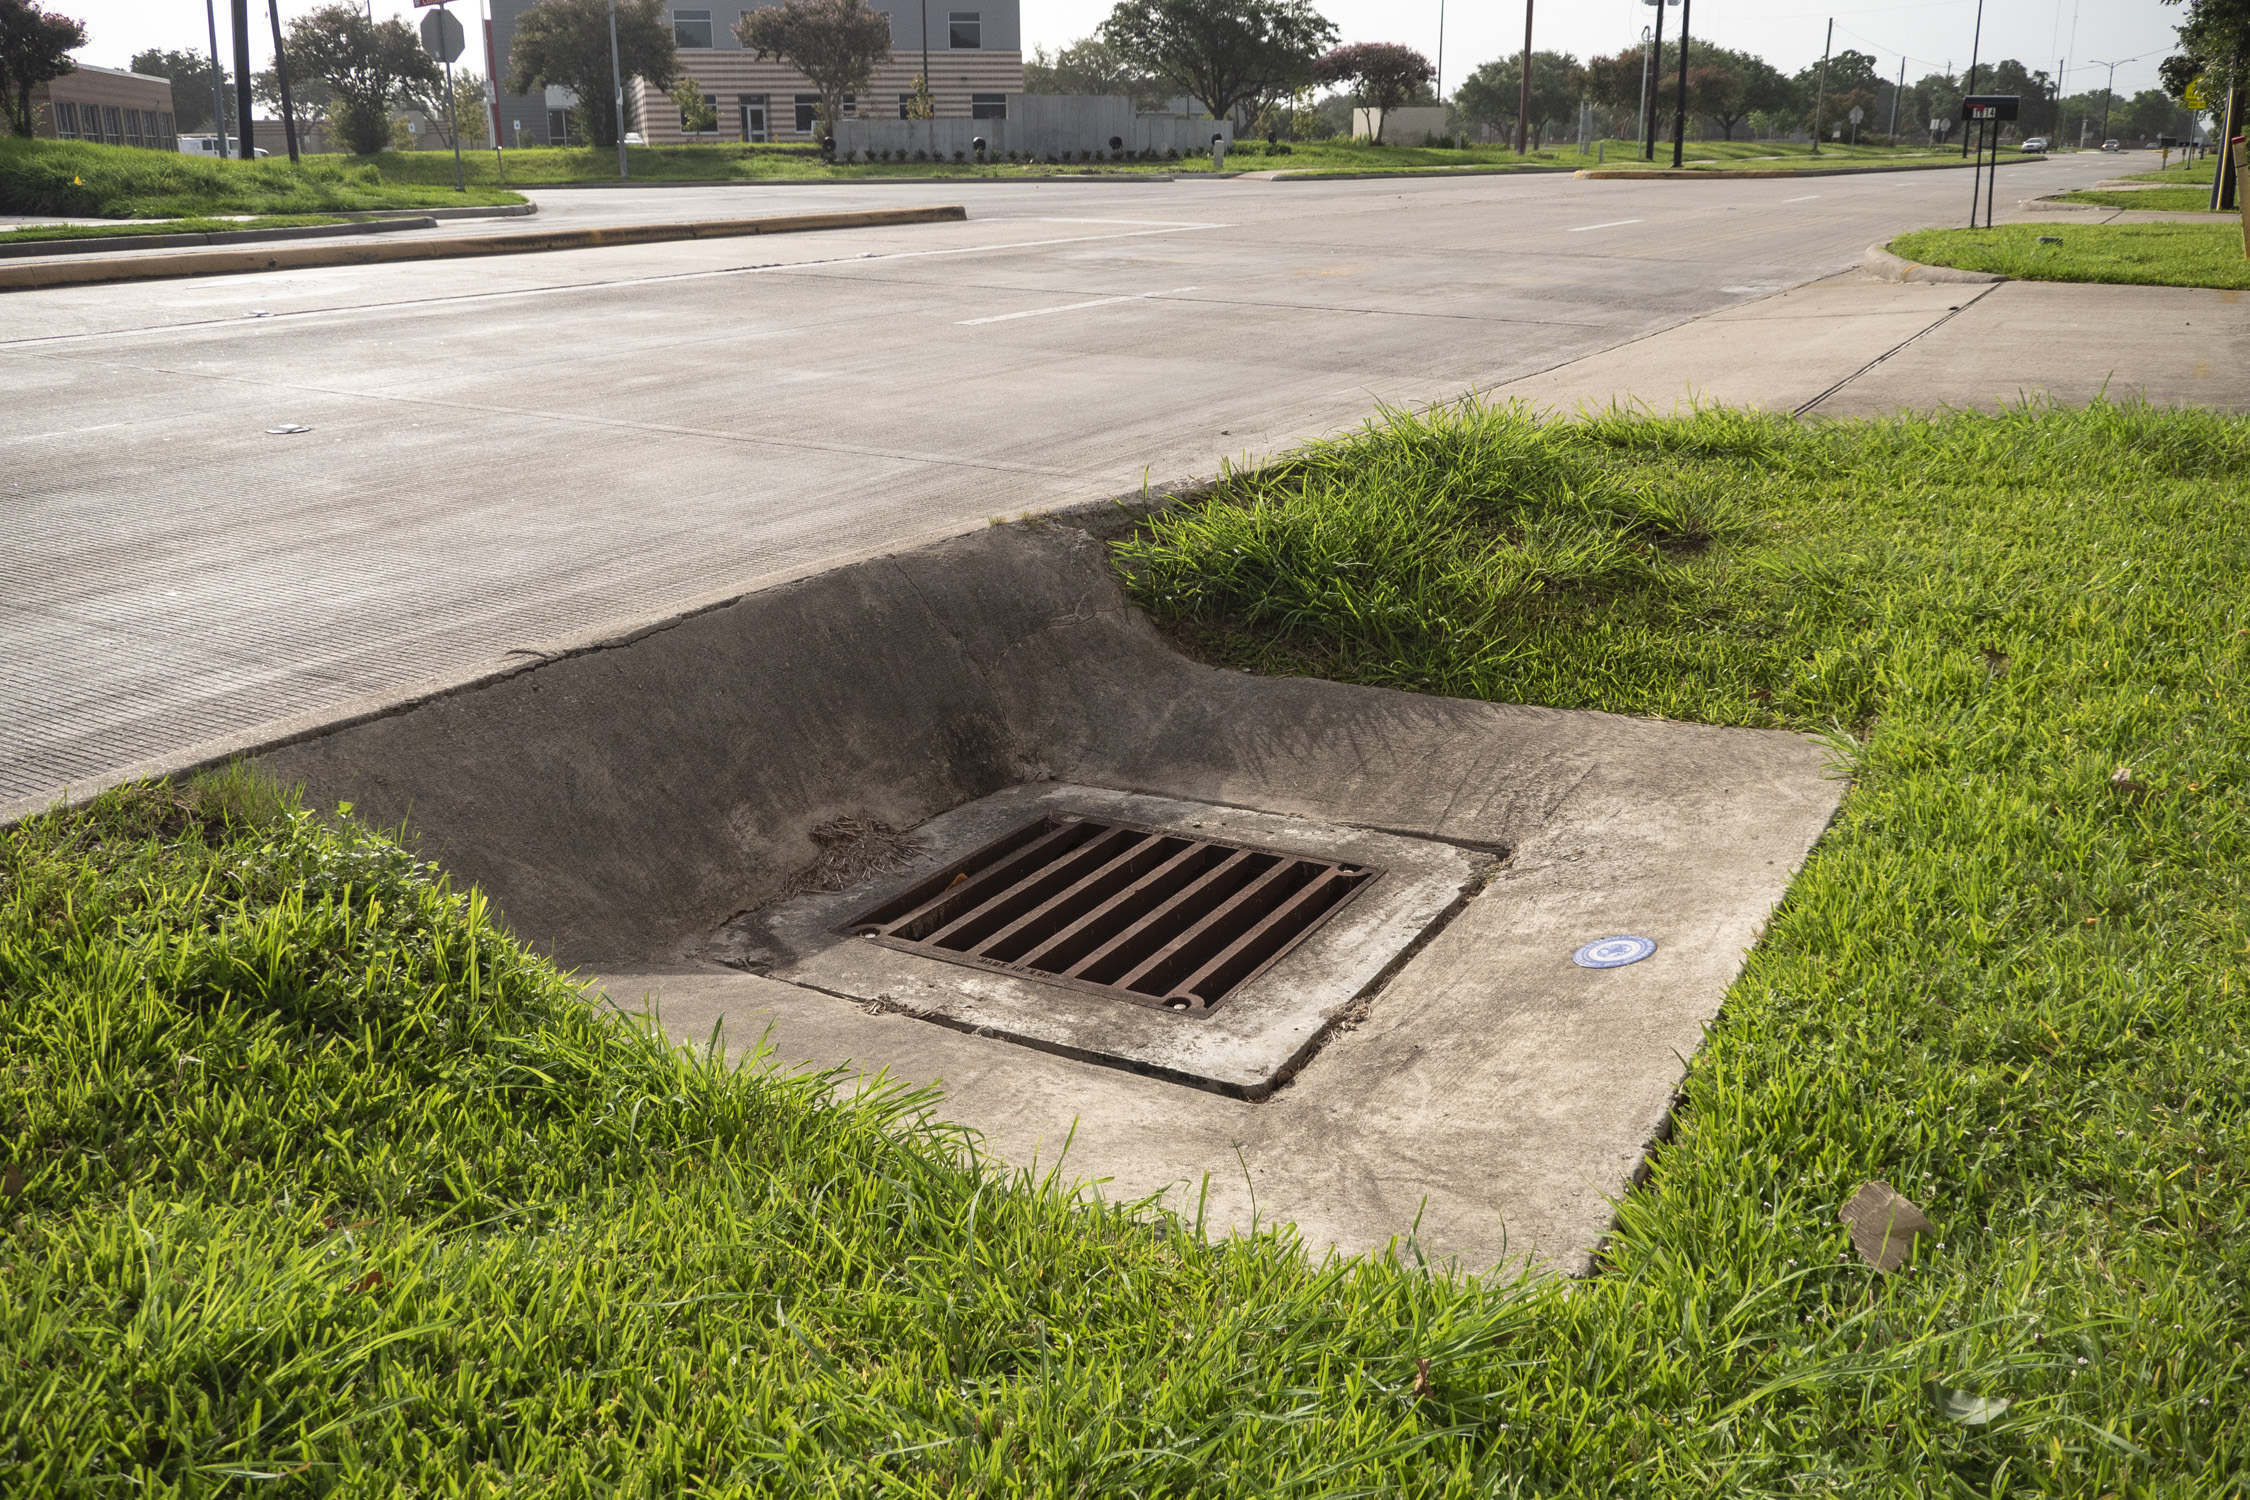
1853,346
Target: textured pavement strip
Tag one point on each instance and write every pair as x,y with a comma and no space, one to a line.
505,454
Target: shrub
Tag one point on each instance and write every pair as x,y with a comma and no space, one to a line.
960,156
1171,153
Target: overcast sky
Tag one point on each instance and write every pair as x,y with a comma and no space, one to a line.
1929,33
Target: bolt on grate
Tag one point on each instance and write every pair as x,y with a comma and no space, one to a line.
1142,914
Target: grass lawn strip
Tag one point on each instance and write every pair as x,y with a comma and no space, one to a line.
323,1176
73,179
163,226
2171,200
2175,254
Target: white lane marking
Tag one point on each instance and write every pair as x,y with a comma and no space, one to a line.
1041,312
1612,224
1806,199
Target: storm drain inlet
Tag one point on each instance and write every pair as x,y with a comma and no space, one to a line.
1149,915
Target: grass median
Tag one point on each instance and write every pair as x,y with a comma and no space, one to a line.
2177,254
77,180
33,233
316,1174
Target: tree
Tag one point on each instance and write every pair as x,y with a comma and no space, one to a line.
2215,39
1226,53
697,114
35,48
190,73
836,44
1091,66
467,105
1935,100
1384,74
365,65
1493,93
565,43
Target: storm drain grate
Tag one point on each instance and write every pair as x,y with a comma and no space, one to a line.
1142,914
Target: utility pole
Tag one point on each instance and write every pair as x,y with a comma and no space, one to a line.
1897,94
218,87
281,75
1648,65
243,144
1656,81
1679,114
1523,92
1820,99
1976,41
1440,50
617,78
2109,90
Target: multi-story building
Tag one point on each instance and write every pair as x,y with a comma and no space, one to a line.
106,105
973,51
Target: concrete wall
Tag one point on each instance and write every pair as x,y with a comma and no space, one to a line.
1040,125
1401,127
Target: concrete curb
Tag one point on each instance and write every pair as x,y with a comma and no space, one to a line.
1881,264
775,182
95,245
221,263
1730,173
1286,175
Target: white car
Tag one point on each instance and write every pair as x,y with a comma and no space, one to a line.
2111,146
208,145
2037,145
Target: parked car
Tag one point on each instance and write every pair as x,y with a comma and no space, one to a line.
2111,146
208,145
2036,146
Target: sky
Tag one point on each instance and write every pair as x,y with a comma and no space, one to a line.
1928,33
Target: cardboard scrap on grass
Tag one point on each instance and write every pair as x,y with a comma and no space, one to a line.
1883,1225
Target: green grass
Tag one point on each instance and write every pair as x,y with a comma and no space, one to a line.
2190,173
78,180
2175,200
2208,255
325,1178
167,226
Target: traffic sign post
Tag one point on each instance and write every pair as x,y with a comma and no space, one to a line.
443,39
1857,115
1987,112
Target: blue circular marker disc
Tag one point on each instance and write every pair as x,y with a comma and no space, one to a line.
1613,952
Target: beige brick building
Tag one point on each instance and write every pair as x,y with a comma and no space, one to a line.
106,105
974,48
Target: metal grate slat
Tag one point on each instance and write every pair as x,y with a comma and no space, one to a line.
1149,915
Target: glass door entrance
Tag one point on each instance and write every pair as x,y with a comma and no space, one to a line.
754,118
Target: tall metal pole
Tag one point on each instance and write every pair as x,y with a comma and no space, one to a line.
1897,94
244,145
218,88
617,78
1820,99
1679,113
1976,41
1648,65
453,122
1523,92
1440,50
281,76
1656,81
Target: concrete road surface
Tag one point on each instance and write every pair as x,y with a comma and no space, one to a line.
502,452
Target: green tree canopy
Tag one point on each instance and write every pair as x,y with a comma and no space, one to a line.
1226,53
1724,86
190,73
35,48
565,43
366,65
2215,39
1493,93
836,44
1384,74
1092,66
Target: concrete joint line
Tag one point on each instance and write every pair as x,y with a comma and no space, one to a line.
1901,344
216,263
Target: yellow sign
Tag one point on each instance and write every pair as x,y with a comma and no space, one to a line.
2194,96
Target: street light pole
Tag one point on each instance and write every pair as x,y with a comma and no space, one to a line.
1820,98
617,78
1679,113
1648,62
281,77
1655,82
1523,92
2109,90
218,89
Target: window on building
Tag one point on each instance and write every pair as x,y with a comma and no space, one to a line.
711,103
968,30
808,113
851,104
691,28
66,121
132,127
988,106
906,106
169,140
113,125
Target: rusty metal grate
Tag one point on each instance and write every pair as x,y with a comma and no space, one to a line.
1142,914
